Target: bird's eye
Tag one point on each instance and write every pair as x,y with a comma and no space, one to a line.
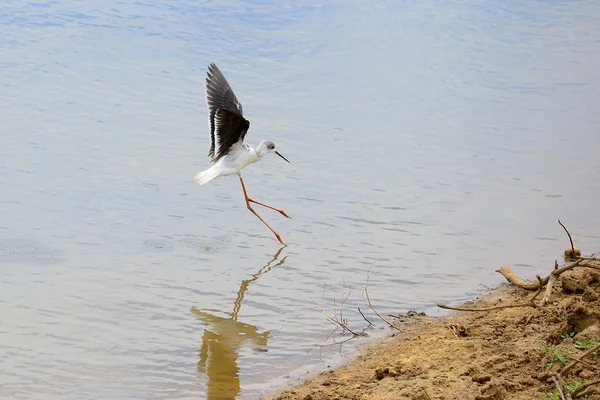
271,147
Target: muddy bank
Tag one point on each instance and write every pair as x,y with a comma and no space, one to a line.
509,353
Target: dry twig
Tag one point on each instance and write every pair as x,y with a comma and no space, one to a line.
550,284
554,276
582,390
333,319
528,303
570,238
560,385
579,359
340,343
588,265
587,364
365,318
371,305
588,258
343,301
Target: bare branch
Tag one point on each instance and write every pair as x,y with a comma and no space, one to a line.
587,364
365,318
343,301
587,265
371,305
529,285
333,318
564,394
554,275
570,238
515,280
588,258
540,286
578,359
550,284
340,343
528,303
581,390
484,308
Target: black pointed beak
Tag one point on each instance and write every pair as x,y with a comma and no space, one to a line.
282,157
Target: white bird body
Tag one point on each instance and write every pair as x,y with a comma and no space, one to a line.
228,150
232,164
238,158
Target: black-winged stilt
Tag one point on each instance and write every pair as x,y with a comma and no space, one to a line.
229,151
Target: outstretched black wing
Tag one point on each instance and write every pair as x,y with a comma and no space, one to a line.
230,129
225,115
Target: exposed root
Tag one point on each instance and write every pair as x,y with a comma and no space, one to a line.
515,280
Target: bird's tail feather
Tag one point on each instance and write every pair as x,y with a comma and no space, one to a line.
205,176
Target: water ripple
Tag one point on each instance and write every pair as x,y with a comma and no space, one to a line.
123,279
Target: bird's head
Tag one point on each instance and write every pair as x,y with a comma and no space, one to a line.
265,147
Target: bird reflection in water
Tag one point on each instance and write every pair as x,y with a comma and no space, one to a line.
222,339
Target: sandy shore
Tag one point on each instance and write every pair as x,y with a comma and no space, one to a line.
507,353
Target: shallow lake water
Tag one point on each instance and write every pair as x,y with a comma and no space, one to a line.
430,142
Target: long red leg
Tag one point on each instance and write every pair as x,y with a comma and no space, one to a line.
248,200
268,206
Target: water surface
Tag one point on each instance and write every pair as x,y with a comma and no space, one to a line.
429,141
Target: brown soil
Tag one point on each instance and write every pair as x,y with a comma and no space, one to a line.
503,354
